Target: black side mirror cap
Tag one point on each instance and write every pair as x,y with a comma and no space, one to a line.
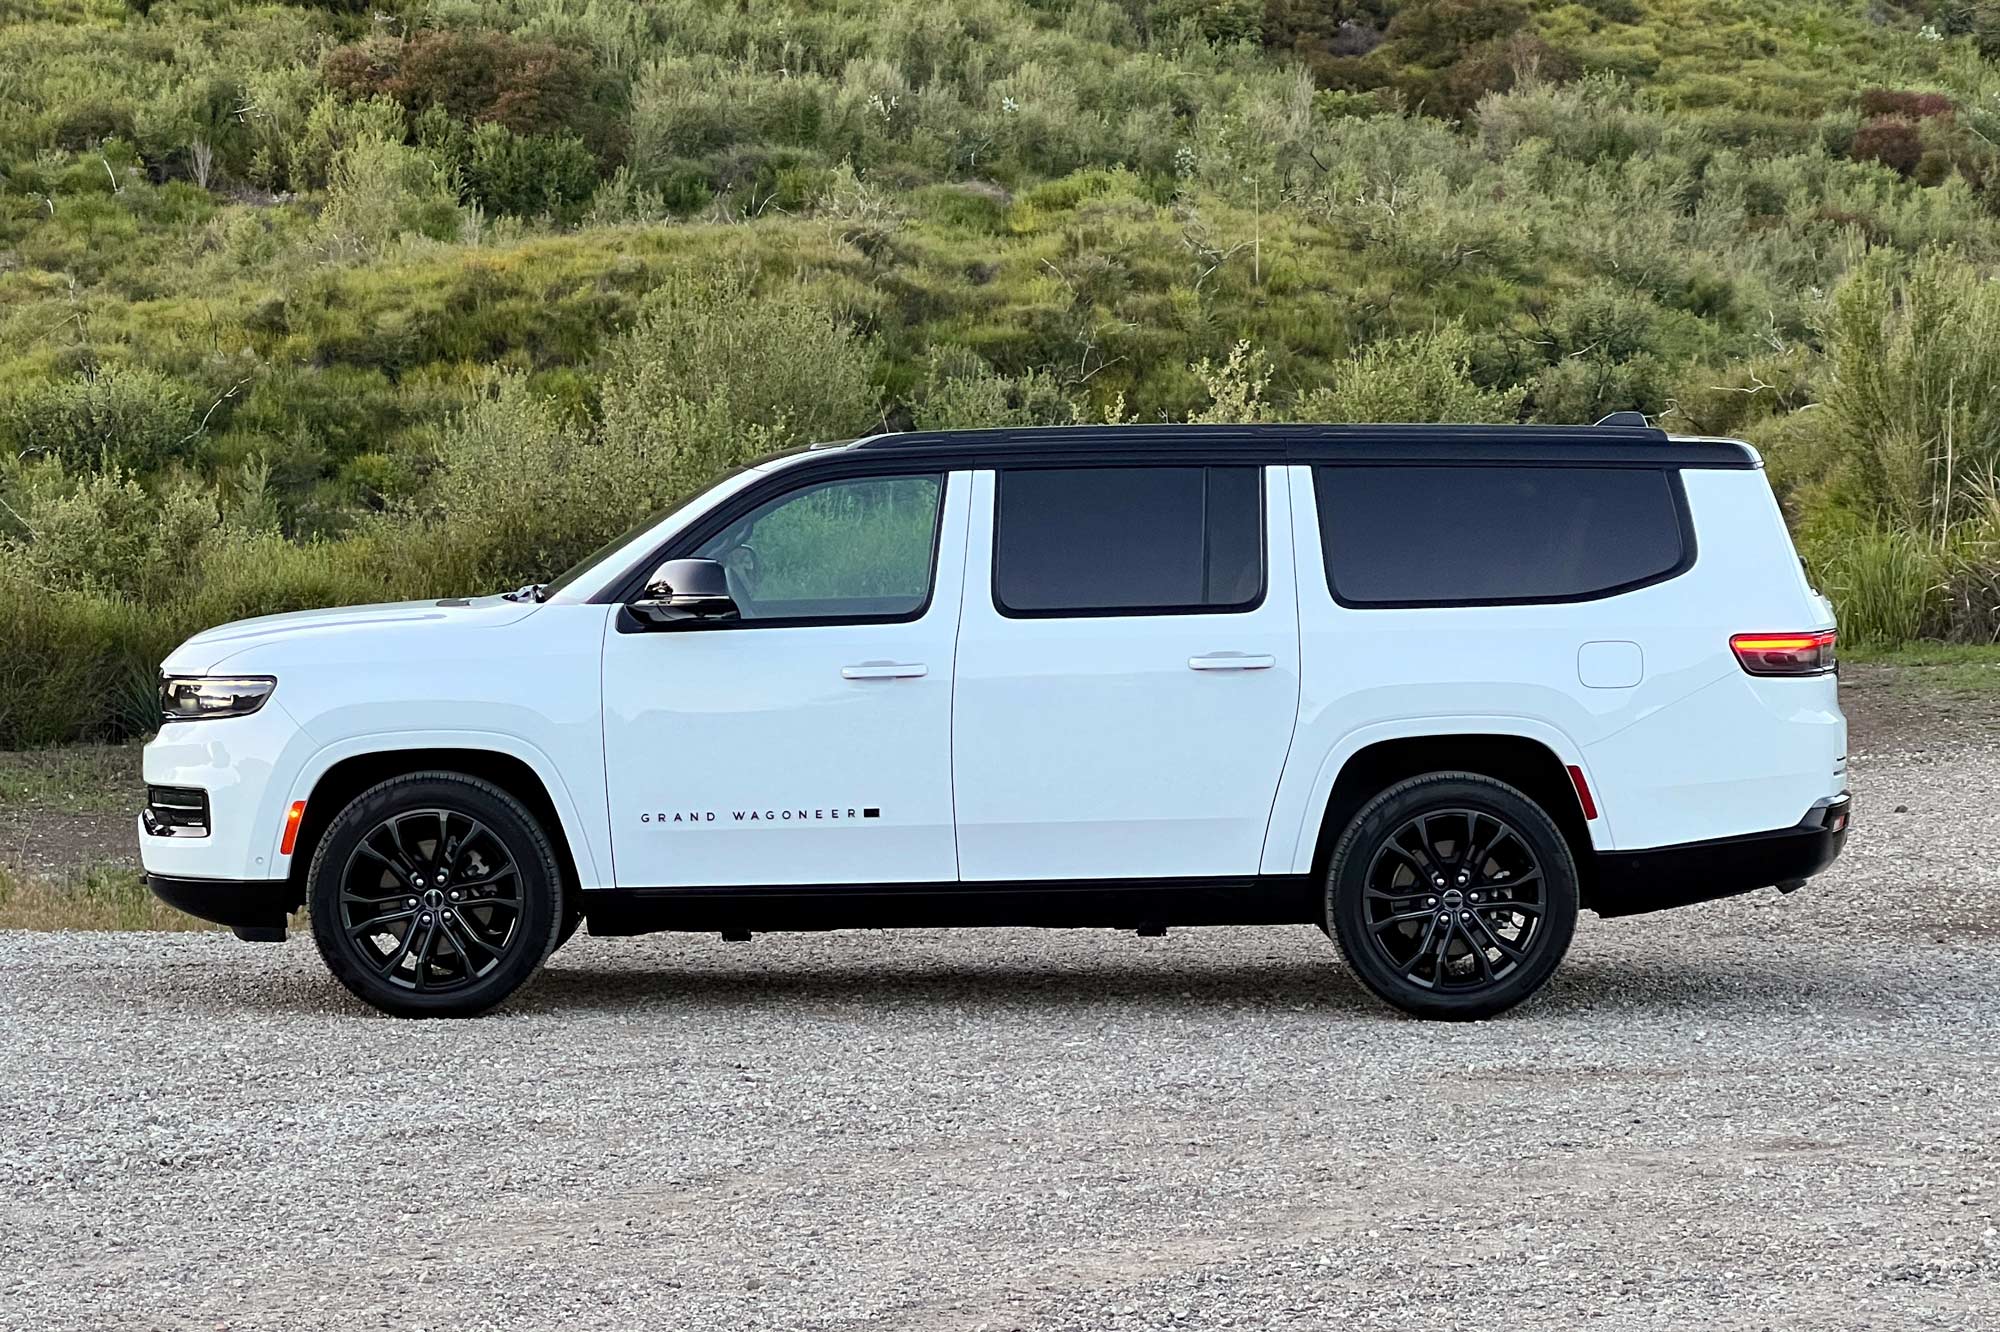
683,592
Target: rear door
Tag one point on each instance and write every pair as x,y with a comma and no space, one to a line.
1127,675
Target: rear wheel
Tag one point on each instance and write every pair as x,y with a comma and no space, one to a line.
1453,895
435,895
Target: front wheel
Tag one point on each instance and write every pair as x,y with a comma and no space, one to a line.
1453,895
435,895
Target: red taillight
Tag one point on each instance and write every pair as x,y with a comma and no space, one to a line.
1785,654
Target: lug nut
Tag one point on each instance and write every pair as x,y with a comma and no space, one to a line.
447,914
1444,917
1428,901
412,902
454,894
424,919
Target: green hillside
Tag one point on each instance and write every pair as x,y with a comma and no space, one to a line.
313,303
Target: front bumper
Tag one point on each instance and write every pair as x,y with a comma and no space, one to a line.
254,908
1631,882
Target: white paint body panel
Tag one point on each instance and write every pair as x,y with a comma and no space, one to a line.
1087,747
778,757
1031,749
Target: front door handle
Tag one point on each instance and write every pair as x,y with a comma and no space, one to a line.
1233,661
884,670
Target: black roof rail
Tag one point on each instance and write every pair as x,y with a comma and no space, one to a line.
1624,419
1166,433
1616,445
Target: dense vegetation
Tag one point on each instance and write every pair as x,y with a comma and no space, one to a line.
303,304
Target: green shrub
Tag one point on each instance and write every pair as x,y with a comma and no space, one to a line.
509,173
125,417
1886,586
1422,378
1913,396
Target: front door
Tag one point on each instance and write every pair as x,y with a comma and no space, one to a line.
809,742
1128,671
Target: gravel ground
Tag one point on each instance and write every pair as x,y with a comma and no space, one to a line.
1763,1113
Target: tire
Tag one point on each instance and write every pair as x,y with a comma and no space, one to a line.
395,857
1470,854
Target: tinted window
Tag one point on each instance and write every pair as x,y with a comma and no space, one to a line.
859,549
1129,539
1430,535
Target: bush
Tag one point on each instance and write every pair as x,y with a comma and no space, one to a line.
1423,378
1890,140
479,76
125,417
1913,399
1886,586
526,176
1905,105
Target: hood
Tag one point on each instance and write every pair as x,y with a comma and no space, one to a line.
213,647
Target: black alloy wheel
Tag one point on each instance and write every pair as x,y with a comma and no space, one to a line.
1453,895
435,895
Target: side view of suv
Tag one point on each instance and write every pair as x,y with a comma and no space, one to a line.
1433,689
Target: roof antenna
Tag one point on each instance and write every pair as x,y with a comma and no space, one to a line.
1626,420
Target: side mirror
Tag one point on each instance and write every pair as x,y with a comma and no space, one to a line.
683,592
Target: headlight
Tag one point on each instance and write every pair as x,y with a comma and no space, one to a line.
193,697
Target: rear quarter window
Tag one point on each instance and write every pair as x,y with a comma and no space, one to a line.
1424,535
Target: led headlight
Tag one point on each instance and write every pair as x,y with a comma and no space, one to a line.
193,697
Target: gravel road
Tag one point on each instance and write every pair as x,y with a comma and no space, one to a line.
1765,1113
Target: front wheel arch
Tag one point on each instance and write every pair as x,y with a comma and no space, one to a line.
348,778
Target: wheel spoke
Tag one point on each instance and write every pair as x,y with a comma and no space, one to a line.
461,934
373,924
1522,908
1400,918
1430,847
1507,950
1421,951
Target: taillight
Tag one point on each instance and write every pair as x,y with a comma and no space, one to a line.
1785,654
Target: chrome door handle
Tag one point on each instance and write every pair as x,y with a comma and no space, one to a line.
884,670
1233,661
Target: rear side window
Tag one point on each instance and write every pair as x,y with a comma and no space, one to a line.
1129,540
1441,536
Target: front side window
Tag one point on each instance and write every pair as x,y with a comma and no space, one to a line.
1478,535
1129,540
854,550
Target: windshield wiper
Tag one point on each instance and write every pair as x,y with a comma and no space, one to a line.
528,592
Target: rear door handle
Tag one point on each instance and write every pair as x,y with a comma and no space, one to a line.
884,670
1233,661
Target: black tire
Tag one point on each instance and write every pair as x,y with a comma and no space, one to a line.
1453,895
460,882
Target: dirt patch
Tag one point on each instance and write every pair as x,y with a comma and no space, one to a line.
1909,709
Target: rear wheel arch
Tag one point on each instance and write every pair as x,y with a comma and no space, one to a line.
341,783
1520,761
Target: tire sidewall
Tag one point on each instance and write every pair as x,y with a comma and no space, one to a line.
1347,881
542,913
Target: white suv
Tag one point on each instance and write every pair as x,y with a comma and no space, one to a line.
1432,689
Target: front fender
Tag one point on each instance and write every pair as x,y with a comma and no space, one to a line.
583,821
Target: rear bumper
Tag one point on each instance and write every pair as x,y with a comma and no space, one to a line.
1631,882
254,908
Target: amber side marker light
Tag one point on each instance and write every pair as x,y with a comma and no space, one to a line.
1785,654
293,817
